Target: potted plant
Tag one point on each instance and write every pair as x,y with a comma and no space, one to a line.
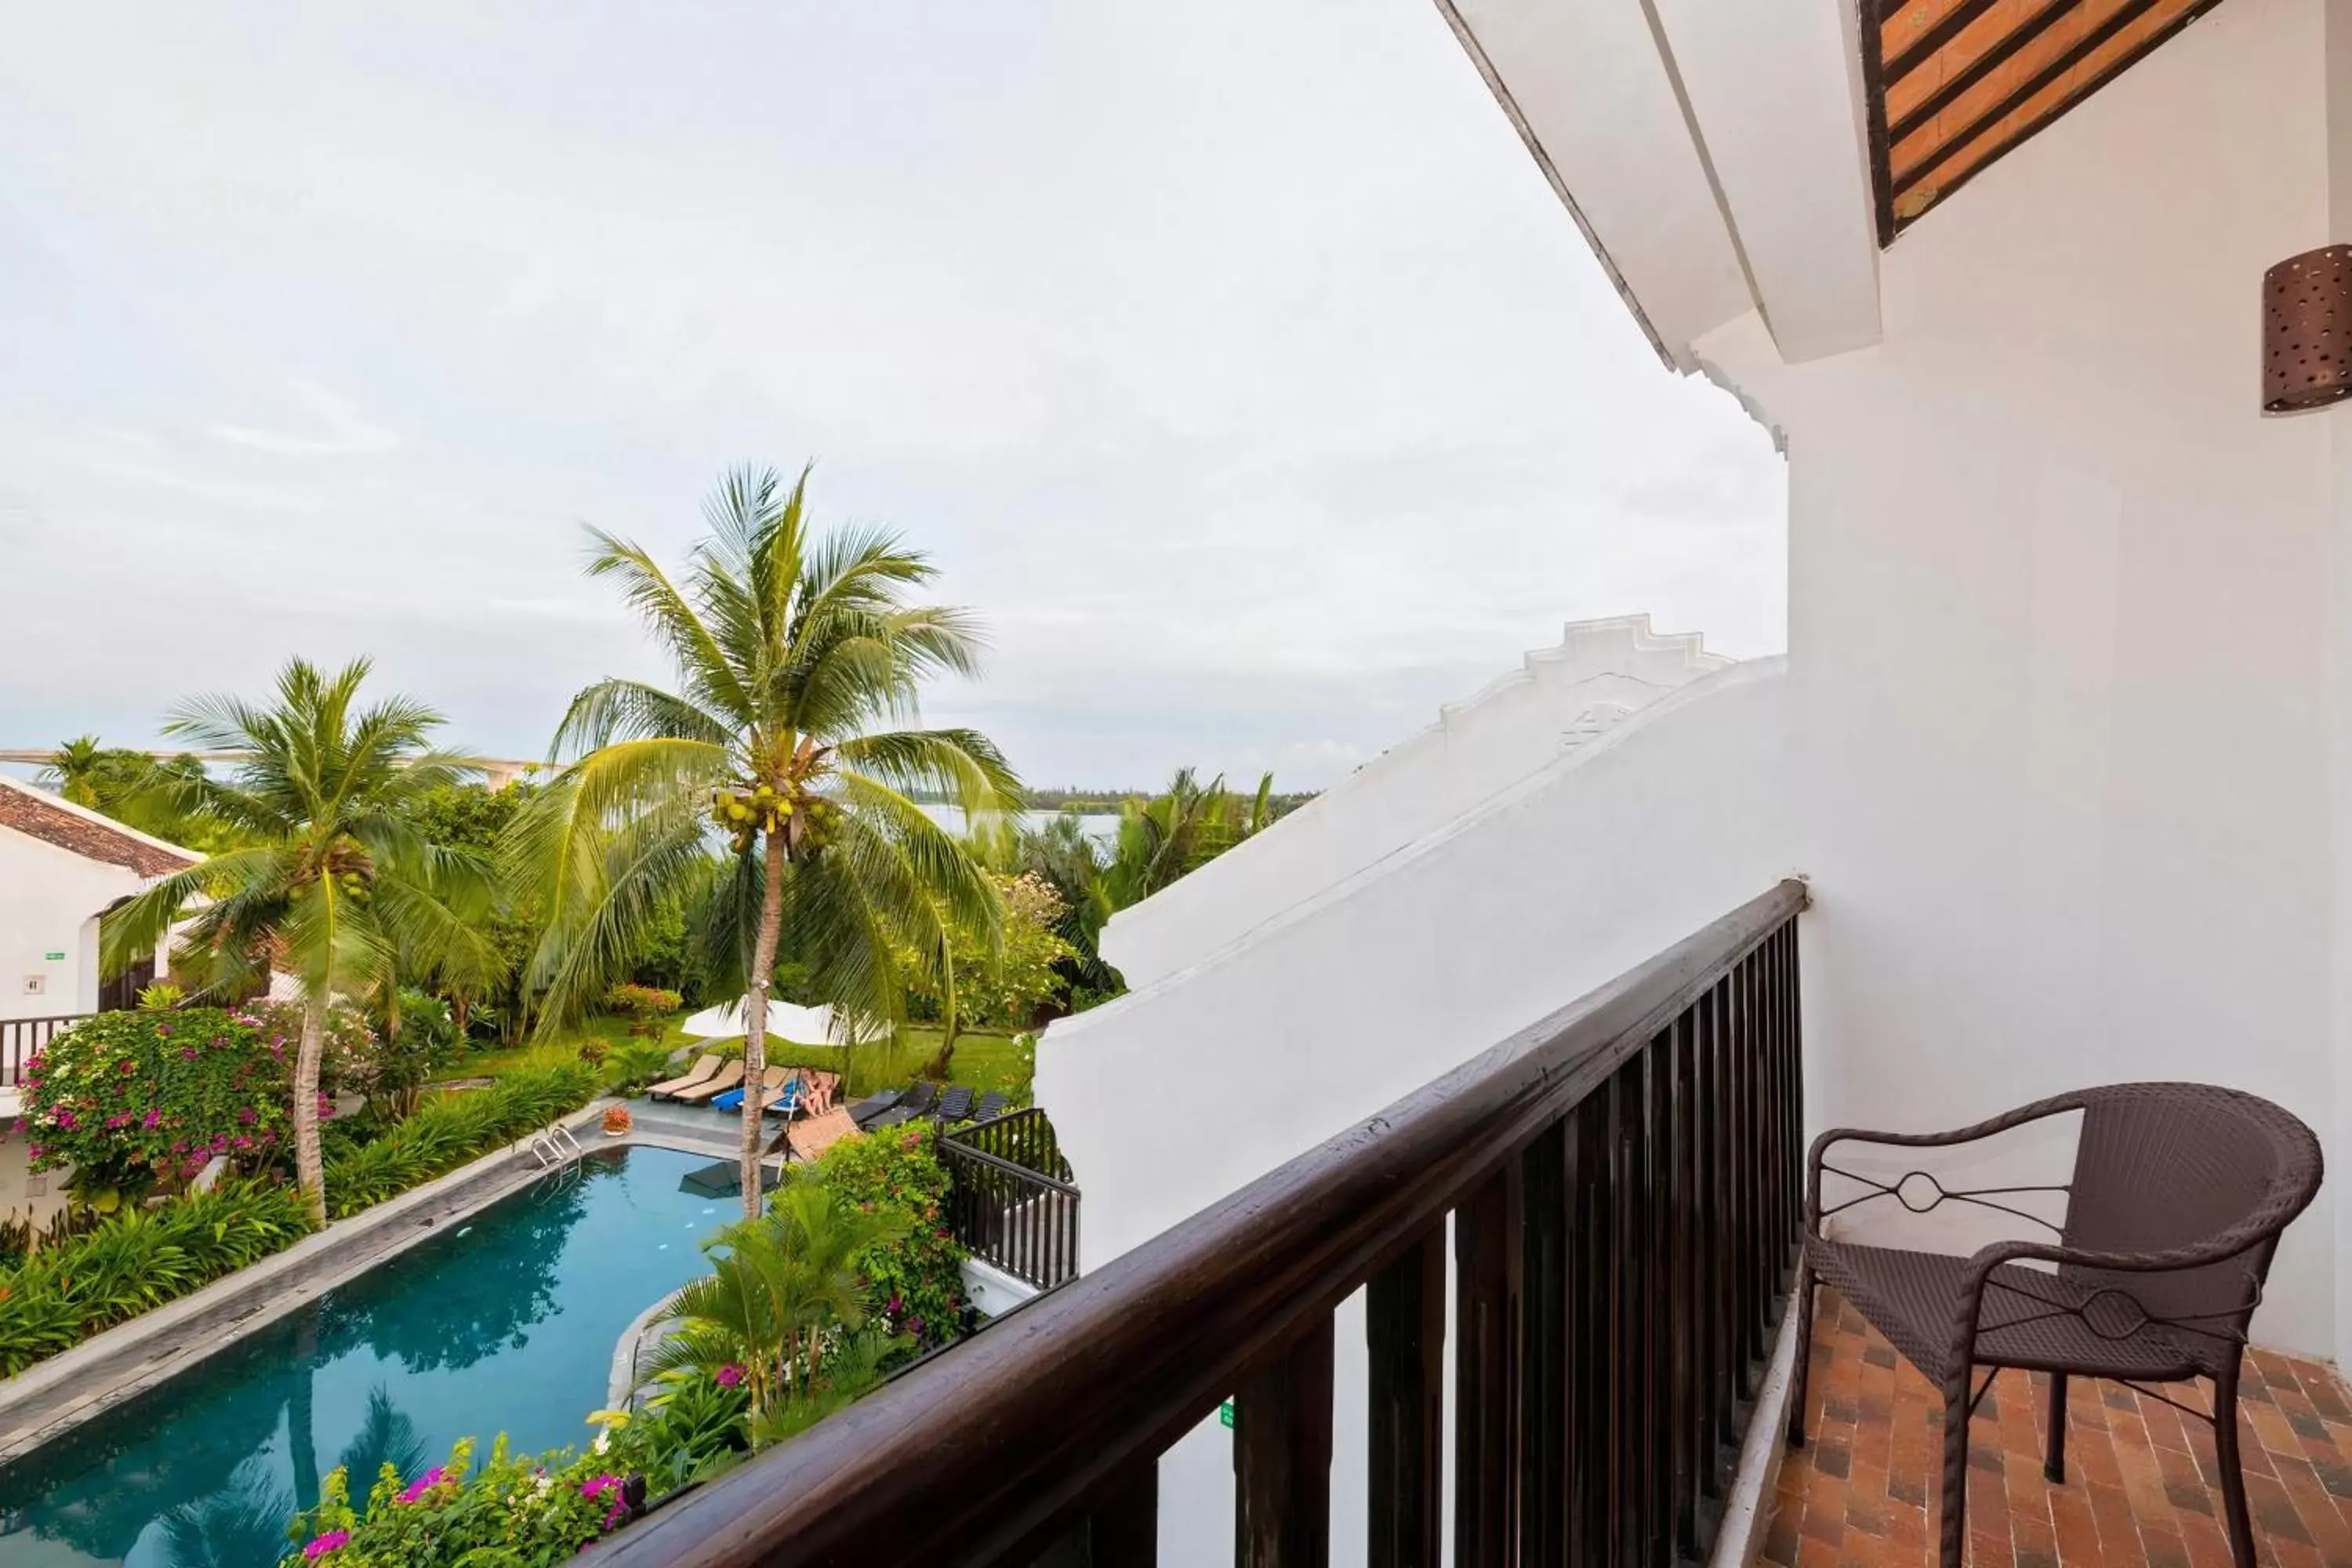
617,1121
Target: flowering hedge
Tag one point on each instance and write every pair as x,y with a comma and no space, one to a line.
527,1510
917,1280
127,1098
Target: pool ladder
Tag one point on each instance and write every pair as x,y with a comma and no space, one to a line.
554,1145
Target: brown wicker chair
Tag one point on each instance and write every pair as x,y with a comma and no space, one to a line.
2180,1194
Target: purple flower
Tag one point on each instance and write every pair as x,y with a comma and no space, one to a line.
154,1118
897,1305
597,1486
114,1122
248,1116
188,1053
424,1483
165,1030
36,1150
326,1543
66,1120
915,1326
729,1376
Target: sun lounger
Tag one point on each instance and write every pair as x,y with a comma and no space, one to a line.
787,1102
710,1089
990,1107
773,1079
807,1140
702,1073
956,1104
917,1101
866,1111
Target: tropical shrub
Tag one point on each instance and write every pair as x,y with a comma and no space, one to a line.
643,1003
348,1048
514,1513
1013,982
450,1129
784,1301
631,1066
915,1273
131,1098
137,1260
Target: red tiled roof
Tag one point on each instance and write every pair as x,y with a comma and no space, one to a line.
37,816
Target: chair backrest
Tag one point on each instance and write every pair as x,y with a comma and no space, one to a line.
703,1067
2162,1168
918,1096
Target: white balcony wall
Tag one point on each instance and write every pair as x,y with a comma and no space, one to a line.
1177,1094
2062,651
1561,698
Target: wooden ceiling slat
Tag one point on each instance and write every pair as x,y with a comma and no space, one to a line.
2049,69
2008,34
1954,84
1924,32
1984,100
2098,66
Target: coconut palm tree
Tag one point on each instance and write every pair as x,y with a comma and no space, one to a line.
335,881
1180,830
798,662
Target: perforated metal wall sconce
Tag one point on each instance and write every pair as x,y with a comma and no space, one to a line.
2307,330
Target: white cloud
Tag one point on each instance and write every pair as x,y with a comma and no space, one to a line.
1233,358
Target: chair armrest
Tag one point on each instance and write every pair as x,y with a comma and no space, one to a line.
2055,1106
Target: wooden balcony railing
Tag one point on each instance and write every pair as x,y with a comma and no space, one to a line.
1618,1187
21,1039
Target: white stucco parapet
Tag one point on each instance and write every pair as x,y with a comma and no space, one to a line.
1561,698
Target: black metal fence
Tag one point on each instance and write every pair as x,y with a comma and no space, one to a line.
1023,1222
1619,1190
21,1039
1023,1138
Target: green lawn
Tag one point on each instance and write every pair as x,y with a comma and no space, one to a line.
986,1061
607,1029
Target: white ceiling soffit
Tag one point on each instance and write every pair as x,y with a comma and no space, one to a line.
1711,150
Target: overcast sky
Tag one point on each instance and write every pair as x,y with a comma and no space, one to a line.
1232,356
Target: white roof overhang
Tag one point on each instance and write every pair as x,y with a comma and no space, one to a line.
1713,152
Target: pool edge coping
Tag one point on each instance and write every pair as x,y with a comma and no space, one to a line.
115,1364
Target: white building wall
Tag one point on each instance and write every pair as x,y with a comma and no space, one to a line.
1177,1094
2061,648
1561,698
50,899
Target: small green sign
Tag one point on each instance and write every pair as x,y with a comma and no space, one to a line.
54,957
1225,1413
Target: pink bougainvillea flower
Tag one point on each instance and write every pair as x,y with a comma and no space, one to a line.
424,1483
153,1119
728,1376
127,1066
248,1116
596,1486
188,1053
66,1120
326,1543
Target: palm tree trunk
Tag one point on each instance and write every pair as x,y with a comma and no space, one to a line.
309,1173
755,1017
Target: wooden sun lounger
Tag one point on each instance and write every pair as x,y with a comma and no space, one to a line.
728,1077
701,1072
867,1112
807,1140
915,1102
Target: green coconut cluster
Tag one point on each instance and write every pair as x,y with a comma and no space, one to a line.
807,822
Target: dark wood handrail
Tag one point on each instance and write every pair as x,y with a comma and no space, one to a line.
995,1446
23,1039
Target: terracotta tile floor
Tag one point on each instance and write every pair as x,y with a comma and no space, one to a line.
2139,1484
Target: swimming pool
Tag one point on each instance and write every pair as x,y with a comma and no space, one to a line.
504,1323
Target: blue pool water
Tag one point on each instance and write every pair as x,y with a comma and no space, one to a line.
505,1321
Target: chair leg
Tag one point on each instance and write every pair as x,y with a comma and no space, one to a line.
2054,1465
2233,1474
1803,1299
1955,1536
